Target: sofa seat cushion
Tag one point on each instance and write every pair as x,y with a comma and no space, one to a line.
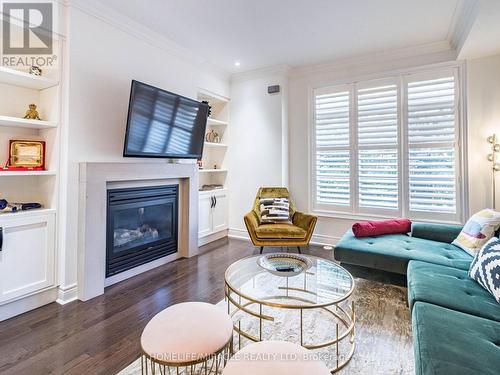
280,231
451,288
392,252
451,342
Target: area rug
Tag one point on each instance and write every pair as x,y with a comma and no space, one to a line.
383,331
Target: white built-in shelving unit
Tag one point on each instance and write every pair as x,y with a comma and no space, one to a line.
28,258
213,208
18,90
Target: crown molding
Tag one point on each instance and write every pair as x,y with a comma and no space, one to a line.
270,71
441,51
464,17
120,21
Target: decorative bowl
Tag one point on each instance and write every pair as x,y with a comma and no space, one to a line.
284,264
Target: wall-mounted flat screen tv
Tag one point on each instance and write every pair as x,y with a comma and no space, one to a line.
162,124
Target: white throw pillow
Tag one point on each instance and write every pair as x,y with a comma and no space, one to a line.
478,230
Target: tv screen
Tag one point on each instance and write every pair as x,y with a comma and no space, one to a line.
163,124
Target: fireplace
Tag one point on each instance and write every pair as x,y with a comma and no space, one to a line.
141,226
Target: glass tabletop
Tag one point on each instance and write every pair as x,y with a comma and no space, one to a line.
324,283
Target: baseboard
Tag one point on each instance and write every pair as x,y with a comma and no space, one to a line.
67,293
239,234
317,239
28,303
212,237
323,240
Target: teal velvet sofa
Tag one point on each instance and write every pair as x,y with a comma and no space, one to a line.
455,321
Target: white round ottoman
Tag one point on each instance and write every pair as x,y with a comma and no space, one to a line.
186,335
274,358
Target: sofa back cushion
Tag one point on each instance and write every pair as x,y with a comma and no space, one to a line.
436,232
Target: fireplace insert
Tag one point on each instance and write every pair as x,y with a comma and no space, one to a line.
141,226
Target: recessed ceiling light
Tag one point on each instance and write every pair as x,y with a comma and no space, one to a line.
237,63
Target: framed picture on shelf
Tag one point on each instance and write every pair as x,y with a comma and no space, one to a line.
26,155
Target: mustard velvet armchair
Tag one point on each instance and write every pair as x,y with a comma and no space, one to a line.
298,233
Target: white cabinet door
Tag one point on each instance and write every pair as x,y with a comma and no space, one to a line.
27,259
205,215
220,212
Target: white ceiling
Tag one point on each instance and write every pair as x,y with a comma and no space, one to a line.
261,33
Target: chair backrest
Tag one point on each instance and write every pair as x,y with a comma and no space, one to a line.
272,192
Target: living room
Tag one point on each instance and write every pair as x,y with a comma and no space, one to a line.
234,187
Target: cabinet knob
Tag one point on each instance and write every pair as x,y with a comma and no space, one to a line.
1,238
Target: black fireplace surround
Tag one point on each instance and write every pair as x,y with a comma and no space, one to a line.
141,226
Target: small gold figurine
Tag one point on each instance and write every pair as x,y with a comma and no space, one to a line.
32,113
212,137
35,70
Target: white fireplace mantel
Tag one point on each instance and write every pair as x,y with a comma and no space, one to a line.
94,181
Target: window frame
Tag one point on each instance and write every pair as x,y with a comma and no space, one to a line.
401,78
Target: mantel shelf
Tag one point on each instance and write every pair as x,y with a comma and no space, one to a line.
26,173
17,78
15,122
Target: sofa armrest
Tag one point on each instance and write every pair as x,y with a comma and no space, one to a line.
304,221
436,232
251,220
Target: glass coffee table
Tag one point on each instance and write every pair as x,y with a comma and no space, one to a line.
309,296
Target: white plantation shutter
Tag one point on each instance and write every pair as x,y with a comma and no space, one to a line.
389,147
377,124
332,143
431,145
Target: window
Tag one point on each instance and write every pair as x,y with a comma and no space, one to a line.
389,147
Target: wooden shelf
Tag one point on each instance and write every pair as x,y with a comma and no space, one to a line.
26,173
15,122
22,79
213,144
212,121
212,170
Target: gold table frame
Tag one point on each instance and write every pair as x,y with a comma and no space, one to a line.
345,315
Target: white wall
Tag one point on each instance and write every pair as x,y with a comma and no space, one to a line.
483,108
103,59
258,153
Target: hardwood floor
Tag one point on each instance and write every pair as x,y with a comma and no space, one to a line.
101,336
